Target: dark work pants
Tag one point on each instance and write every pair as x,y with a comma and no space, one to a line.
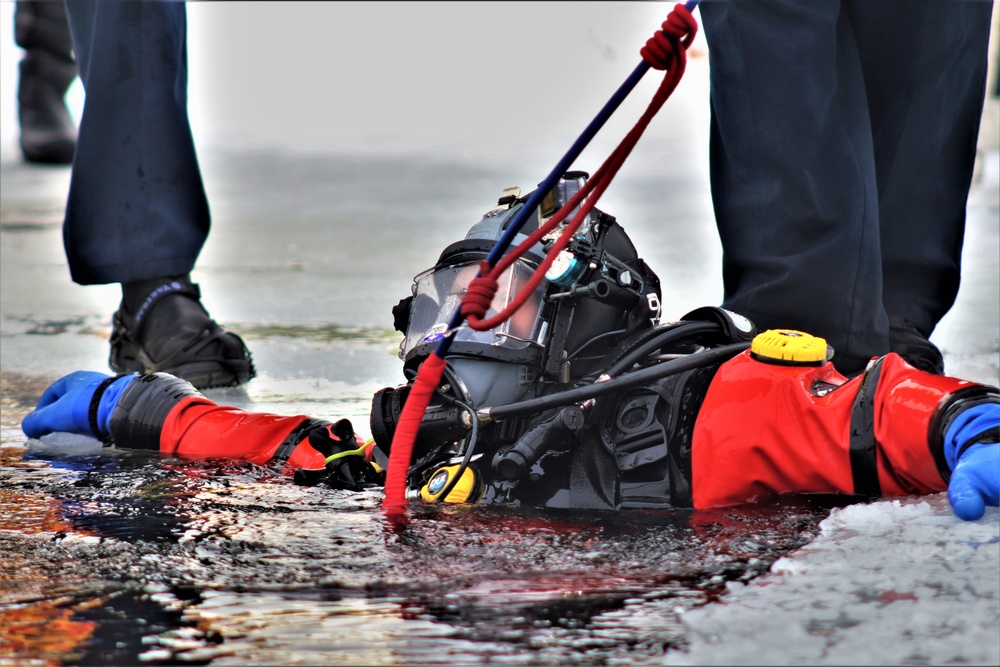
137,208
843,139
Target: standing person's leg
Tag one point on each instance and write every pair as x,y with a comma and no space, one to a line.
793,175
137,213
137,208
926,81
48,133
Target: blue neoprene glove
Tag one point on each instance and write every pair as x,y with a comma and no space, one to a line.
975,471
68,405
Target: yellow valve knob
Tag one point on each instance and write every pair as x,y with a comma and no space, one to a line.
467,489
789,347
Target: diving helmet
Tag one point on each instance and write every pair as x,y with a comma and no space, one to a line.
596,293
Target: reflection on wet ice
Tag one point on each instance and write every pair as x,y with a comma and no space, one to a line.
274,629
231,563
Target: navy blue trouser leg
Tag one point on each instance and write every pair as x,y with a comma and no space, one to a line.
137,208
838,203
925,99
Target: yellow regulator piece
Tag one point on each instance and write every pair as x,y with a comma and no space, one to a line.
467,489
790,348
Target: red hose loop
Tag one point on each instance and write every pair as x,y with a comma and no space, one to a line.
479,297
676,34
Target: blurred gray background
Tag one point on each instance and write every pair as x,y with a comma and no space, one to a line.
344,144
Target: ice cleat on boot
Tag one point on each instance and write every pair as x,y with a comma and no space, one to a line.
909,343
172,332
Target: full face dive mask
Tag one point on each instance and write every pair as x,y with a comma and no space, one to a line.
597,293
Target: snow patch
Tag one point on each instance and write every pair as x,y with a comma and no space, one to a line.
891,582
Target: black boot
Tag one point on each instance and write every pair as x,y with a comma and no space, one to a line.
48,133
911,344
162,326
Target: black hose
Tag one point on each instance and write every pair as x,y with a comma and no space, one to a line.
672,335
469,450
578,394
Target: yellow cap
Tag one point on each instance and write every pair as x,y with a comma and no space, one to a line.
786,346
466,490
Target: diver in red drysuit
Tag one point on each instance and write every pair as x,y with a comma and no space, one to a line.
764,427
583,399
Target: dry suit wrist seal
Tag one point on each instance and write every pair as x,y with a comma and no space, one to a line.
953,405
142,409
95,404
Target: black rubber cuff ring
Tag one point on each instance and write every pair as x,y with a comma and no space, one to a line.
984,438
95,403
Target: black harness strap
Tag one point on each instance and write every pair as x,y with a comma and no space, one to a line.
864,460
293,439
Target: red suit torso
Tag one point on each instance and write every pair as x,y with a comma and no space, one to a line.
766,429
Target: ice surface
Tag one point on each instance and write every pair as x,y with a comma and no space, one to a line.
889,583
65,444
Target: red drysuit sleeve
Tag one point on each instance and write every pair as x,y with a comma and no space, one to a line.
161,412
197,428
767,429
